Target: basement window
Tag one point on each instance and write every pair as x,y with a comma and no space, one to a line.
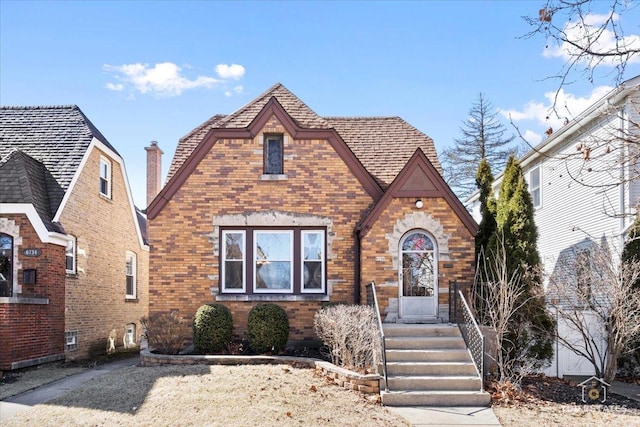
71,340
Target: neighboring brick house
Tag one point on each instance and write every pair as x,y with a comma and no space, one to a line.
275,203
73,257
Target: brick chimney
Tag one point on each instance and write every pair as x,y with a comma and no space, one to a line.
154,170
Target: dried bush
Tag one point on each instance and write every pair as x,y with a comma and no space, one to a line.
267,328
212,328
351,333
166,332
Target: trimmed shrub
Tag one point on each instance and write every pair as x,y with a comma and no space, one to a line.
166,332
212,328
352,335
267,328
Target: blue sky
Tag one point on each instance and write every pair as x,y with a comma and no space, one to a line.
144,71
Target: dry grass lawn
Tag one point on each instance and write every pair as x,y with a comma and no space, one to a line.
14,383
250,395
567,415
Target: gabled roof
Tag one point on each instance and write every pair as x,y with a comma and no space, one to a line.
25,180
382,144
57,136
300,113
420,179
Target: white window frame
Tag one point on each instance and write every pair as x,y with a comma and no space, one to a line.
131,256
105,174
71,340
224,262
536,169
257,290
321,290
70,252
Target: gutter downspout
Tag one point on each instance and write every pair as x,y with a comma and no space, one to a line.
357,273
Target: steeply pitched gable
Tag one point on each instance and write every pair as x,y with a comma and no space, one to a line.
419,179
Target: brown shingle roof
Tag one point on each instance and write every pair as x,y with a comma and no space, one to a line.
382,144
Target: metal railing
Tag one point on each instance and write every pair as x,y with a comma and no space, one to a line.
372,300
461,314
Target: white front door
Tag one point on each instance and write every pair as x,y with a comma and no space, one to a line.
418,277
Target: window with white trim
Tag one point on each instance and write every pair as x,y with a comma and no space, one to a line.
535,189
273,252
312,244
71,340
233,266
70,256
105,177
130,275
256,260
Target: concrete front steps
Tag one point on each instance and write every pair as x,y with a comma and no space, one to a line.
429,365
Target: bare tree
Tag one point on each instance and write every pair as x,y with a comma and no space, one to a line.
504,295
594,296
483,137
586,40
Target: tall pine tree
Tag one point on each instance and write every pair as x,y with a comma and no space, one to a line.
483,137
532,327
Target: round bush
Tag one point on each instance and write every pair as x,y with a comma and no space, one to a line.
267,328
212,328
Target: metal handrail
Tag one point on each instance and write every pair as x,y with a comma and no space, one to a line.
473,337
374,296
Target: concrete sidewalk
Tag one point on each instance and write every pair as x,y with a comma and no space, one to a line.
430,416
24,401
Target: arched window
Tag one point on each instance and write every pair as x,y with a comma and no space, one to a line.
418,265
6,265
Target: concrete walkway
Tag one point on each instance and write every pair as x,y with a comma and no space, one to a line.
427,416
24,401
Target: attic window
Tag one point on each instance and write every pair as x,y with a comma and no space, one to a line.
273,154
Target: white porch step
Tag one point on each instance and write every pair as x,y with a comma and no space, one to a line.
436,355
435,398
413,368
424,343
429,365
434,382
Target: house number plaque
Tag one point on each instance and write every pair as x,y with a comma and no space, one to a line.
32,252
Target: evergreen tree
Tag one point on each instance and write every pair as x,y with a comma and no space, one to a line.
484,179
532,327
483,137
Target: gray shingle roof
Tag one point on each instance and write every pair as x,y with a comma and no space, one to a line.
56,138
25,180
382,144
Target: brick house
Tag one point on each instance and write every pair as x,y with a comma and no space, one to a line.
275,203
73,256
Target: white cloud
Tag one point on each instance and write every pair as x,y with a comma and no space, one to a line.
541,115
237,90
602,41
166,78
115,87
532,137
233,71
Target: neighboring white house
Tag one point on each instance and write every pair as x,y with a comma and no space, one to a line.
584,189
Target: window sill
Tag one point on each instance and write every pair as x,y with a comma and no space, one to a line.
273,177
106,198
127,299
24,300
271,297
